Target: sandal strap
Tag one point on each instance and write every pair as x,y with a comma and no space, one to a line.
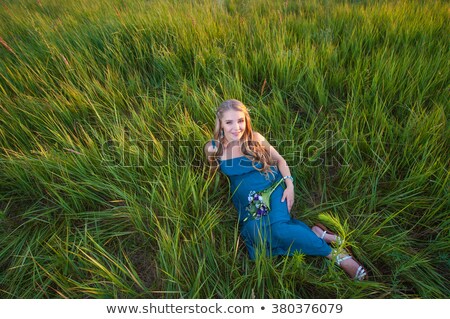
360,273
341,259
323,234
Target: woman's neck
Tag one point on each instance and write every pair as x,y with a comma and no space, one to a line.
231,145
232,149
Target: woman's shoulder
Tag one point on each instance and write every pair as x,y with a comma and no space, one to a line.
258,137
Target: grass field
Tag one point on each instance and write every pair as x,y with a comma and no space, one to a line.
105,107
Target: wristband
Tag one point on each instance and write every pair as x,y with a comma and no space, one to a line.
288,177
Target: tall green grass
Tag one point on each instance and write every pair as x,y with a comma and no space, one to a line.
105,107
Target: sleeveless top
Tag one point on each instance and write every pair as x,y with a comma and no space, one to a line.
244,178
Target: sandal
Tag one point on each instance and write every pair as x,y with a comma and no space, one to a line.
325,230
361,273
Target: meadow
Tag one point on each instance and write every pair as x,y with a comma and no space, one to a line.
105,107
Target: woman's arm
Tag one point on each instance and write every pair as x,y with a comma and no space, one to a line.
282,167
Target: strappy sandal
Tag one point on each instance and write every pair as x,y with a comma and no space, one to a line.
325,230
361,273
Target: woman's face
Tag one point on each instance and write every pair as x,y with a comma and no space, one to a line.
233,124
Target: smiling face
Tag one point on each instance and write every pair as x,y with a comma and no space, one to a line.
233,124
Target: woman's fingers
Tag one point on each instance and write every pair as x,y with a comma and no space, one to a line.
290,202
290,199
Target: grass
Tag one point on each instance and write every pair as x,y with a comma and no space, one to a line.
105,107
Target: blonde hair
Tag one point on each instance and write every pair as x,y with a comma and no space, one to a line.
250,147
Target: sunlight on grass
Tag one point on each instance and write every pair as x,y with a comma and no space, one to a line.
105,107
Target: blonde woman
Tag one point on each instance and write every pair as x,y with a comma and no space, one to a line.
256,172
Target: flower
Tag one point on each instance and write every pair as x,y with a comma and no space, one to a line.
259,203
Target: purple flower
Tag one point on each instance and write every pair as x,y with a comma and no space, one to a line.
260,211
259,203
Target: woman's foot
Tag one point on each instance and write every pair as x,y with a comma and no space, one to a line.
329,237
351,266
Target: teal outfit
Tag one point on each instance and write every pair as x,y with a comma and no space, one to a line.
276,233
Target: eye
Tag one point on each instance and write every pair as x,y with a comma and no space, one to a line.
241,121
228,122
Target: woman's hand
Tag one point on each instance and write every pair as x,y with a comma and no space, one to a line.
289,195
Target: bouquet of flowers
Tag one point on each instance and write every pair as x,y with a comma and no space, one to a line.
259,202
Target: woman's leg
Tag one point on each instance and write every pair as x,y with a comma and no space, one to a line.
352,267
297,236
330,238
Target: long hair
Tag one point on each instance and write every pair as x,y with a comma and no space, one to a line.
251,148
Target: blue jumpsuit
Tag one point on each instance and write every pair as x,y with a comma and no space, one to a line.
273,234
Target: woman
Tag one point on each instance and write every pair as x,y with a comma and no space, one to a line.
254,168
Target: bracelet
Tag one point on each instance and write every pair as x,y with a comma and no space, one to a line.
288,177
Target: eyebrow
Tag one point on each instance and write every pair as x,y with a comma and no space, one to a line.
242,118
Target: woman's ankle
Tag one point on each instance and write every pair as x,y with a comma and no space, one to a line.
351,266
329,238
